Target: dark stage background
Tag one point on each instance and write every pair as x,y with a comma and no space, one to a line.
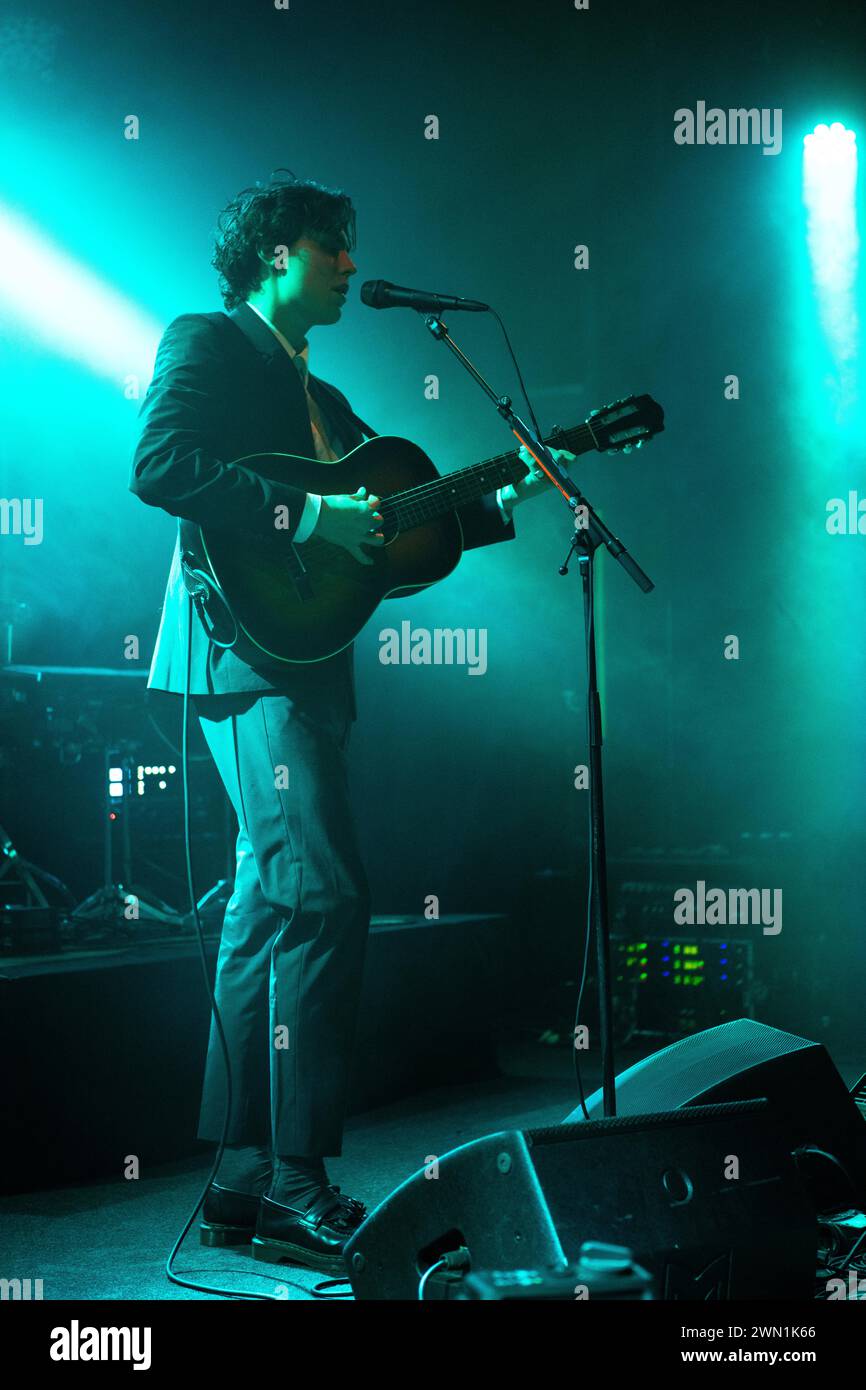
555,129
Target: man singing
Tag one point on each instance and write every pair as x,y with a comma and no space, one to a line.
226,386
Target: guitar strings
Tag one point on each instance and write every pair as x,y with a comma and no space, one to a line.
430,499
426,493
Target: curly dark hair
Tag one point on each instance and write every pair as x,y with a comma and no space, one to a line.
269,215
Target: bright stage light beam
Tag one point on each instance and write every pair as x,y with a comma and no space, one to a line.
68,308
830,196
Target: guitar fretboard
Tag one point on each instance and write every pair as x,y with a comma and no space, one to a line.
429,500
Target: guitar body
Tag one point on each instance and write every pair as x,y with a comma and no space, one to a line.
273,602
286,615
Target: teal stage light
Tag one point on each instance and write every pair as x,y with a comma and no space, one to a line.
68,309
830,197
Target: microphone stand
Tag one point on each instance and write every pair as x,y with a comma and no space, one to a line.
589,533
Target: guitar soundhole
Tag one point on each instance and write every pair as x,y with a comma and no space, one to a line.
388,525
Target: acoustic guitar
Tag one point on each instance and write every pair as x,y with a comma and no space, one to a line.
271,601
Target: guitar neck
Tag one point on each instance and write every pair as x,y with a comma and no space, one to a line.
424,503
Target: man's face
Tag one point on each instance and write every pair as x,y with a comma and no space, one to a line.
317,277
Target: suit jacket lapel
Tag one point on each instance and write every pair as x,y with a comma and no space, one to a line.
285,388
349,428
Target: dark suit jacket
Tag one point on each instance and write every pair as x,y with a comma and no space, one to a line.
224,387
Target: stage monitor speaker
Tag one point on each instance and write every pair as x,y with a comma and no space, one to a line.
743,1060
707,1200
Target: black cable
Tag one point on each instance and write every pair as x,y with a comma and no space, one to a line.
535,424
835,1231
318,1290
848,1258
831,1158
215,1013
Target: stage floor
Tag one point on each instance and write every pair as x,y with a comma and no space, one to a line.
110,1240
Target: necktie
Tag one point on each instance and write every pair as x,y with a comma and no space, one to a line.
324,452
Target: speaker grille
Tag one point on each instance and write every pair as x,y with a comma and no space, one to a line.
661,1119
689,1068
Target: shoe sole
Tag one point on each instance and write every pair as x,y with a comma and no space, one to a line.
280,1252
210,1233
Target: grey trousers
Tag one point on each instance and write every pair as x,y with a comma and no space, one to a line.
294,936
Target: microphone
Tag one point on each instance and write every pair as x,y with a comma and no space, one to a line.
381,294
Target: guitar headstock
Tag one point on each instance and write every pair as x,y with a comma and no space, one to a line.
626,424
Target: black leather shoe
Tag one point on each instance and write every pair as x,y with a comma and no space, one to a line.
314,1237
228,1217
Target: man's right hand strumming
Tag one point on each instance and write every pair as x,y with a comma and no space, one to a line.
350,521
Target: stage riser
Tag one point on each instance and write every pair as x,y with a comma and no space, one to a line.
105,1060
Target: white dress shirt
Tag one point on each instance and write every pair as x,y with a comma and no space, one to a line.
324,452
